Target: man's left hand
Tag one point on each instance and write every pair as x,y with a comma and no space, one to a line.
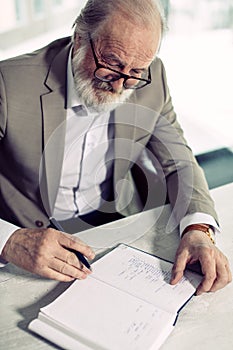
196,246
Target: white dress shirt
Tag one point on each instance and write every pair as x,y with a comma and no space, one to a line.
87,165
88,158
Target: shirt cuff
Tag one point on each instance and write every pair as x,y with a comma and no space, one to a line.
198,218
6,230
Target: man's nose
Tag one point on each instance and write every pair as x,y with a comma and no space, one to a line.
117,85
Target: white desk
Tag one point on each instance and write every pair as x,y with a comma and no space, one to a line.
205,323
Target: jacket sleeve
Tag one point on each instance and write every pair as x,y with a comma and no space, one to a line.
3,107
6,228
187,188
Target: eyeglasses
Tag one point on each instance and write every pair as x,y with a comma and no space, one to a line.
109,75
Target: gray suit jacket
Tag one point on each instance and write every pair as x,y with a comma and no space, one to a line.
33,105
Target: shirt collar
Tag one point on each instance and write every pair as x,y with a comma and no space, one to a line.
72,98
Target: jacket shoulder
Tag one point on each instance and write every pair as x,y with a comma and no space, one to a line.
44,54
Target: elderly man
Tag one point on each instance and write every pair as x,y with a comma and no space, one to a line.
69,144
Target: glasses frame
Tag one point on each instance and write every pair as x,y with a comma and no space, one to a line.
121,75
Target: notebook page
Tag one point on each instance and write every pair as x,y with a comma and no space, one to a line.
55,335
146,277
103,317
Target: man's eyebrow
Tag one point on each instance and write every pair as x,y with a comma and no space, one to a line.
113,57
119,62
141,69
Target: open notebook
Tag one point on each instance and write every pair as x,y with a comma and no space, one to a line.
127,303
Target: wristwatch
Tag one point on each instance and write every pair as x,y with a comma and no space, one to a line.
201,227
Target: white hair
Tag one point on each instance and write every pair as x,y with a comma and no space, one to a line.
146,13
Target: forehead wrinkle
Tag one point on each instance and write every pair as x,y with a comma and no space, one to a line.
114,49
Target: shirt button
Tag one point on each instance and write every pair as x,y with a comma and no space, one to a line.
39,223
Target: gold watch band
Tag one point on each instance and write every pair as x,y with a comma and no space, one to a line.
201,227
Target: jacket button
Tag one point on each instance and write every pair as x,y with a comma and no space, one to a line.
39,223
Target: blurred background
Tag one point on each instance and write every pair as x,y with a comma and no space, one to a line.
197,51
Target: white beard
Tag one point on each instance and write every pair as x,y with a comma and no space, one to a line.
96,95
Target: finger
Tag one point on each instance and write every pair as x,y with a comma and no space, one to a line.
209,271
70,258
71,243
51,273
223,278
179,267
55,275
68,270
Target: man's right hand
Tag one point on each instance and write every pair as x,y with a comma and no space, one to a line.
46,253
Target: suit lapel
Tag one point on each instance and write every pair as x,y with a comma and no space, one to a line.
125,131
124,119
133,123
133,127
54,127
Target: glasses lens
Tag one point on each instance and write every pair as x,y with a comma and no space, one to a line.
134,83
107,75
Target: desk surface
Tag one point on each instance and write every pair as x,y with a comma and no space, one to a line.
205,323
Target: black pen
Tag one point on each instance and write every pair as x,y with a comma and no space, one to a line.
54,224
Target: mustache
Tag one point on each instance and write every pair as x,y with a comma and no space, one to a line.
102,85
105,86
